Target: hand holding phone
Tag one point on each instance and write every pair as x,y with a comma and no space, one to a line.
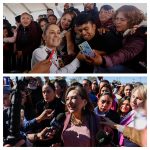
86,49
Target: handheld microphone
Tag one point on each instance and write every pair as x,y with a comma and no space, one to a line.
104,138
57,123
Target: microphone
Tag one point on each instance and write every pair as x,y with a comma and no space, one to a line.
14,126
57,123
104,138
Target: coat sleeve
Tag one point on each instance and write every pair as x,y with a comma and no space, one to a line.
126,53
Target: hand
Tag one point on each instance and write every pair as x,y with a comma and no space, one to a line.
41,67
46,134
46,114
97,60
81,57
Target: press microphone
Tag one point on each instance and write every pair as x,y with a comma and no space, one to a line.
104,138
57,123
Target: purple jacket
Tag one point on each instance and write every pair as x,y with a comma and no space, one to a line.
133,51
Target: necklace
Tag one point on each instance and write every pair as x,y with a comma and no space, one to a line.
76,121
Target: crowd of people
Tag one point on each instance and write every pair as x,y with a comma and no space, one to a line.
61,113
118,39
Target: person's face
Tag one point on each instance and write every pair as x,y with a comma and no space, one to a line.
5,33
58,89
52,37
25,20
6,100
66,21
48,93
87,31
52,20
74,102
86,85
104,89
136,100
127,91
94,85
88,6
105,15
125,107
43,25
121,22
105,103
66,6
50,12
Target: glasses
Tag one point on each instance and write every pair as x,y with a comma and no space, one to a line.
105,101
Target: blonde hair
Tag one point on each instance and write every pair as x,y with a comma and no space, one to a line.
142,91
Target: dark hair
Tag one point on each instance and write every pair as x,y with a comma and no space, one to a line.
106,7
106,93
129,84
17,18
76,84
52,15
48,9
88,81
62,83
43,19
121,102
137,84
107,86
50,85
84,18
83,94
105,81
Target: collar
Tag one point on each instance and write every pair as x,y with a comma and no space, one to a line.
99,113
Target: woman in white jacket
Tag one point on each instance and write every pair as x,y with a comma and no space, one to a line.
52,39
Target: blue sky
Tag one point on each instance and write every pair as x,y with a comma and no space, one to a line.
122,79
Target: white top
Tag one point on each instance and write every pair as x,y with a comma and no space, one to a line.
41,53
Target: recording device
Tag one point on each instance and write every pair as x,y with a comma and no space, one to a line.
14,125
104,138
57,123
86,49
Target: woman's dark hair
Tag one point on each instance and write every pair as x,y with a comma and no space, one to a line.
107,86
50,85
121,102
62,83
130,85
83,94
106,7
105,93
17,18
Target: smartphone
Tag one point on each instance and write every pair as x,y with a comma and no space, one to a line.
86,49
